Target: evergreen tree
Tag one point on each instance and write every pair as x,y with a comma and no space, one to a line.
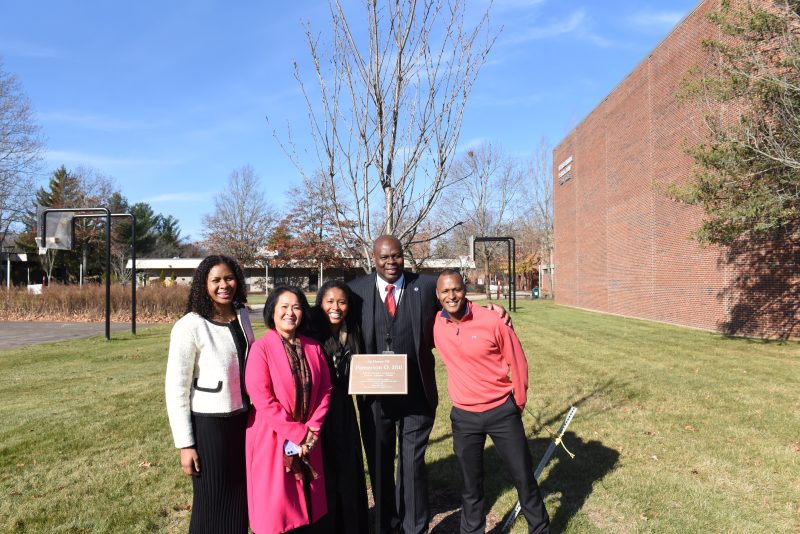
62,191
747,178
169,242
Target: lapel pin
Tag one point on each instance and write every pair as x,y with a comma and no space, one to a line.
416,289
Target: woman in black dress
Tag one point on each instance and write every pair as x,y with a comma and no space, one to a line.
340,337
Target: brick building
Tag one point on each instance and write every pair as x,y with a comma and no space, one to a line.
623,247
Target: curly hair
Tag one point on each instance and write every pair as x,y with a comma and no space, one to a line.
272,302
199,301
320,325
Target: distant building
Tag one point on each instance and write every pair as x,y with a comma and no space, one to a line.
623,247
305,275
17,268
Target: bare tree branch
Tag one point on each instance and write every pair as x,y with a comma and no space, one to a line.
539,205
20,153
387,110
488,185
242,218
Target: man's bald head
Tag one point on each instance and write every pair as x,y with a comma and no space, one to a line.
386,239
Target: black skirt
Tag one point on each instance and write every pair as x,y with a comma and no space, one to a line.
220,490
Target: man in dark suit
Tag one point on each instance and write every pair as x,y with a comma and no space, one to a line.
397,310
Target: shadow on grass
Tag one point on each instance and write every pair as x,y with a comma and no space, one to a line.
601,390
554,420
573,479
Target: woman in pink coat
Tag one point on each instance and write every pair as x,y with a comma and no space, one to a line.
289,385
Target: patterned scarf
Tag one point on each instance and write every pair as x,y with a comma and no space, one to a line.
338,351
301,376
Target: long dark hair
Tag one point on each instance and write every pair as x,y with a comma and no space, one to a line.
272,301
321,328
199,301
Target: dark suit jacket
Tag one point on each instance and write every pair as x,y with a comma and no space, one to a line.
420,290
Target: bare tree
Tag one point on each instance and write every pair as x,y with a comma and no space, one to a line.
388,109
488,184
119,266
312,226
20,153
538,213
94,190
48,261
242,218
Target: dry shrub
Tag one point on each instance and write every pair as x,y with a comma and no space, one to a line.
154,304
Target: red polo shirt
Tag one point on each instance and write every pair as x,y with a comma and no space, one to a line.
479,352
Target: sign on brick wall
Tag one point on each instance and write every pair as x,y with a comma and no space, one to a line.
565,171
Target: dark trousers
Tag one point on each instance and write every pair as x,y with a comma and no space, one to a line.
504,425
404,500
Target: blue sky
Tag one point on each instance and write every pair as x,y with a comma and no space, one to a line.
169,97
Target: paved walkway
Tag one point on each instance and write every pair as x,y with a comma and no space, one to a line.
21,333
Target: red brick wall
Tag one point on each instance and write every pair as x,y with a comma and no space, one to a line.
621,246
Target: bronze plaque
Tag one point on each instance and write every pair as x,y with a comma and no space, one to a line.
378,374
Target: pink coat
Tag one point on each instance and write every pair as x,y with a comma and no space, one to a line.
275,498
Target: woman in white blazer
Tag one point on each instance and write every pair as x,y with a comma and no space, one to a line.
205,395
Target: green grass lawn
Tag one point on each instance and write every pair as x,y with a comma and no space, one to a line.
677,431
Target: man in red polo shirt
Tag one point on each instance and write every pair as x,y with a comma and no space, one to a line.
479,351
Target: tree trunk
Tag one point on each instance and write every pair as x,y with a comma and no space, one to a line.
84,262
550,275
389,225
488,280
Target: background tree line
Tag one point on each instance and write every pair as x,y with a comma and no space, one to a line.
491,193
21,146
157,235
385,117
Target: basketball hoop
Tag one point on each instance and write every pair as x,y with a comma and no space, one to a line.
54,229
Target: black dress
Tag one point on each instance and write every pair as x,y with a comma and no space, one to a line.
341,441
219,503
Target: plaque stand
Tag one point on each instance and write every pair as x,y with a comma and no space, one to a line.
376,490
375,375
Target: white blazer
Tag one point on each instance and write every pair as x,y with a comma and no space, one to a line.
203,374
